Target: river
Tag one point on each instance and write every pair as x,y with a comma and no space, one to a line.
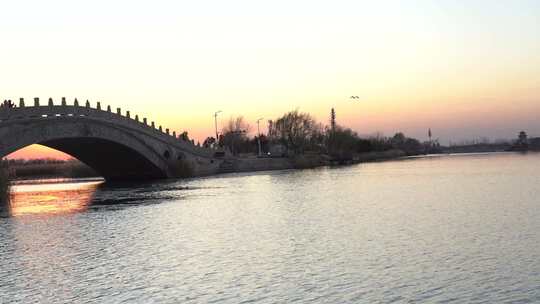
445,229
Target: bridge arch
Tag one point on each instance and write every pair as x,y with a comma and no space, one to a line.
115,153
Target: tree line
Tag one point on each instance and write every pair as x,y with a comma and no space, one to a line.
296,133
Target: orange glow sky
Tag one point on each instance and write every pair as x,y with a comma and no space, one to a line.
466,69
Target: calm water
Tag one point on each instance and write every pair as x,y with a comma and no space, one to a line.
440,229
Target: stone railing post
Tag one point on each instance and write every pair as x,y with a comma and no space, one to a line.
128,114
137,118
174,134
51,102
145,122
87,104
109,109
98,106
167,131
160,130
153,125
118,111
75,110
64,102
21,102
36,101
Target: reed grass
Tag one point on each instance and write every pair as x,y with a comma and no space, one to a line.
67,169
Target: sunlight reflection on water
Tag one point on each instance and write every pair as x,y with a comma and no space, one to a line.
52,198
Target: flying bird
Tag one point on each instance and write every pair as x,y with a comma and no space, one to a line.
354,97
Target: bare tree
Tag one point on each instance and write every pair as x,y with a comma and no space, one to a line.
235,135
236,125
297,131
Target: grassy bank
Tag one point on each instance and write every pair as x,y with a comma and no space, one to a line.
312,160
306,161
379,156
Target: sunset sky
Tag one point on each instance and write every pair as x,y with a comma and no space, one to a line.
465,69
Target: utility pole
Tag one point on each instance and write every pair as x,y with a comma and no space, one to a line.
259,136
333,120
215,123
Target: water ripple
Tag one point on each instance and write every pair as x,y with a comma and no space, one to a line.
443,230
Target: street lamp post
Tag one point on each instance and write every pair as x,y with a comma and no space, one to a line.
215,123
259,136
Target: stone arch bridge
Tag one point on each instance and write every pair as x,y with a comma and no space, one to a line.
117,145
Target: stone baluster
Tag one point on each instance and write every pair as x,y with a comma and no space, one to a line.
160,130
145,122
137,118
167,131
109,109
118,111
87,104
128,114
153,125
75,109
51,102
21,102
64,102
98,106
174,134
36,101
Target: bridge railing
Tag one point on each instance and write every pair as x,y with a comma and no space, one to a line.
10,113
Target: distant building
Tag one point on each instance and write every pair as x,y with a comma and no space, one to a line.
522,138
522,143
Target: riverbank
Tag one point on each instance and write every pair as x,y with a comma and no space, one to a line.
307,161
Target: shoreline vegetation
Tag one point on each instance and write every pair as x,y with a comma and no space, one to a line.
20,169
293,141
